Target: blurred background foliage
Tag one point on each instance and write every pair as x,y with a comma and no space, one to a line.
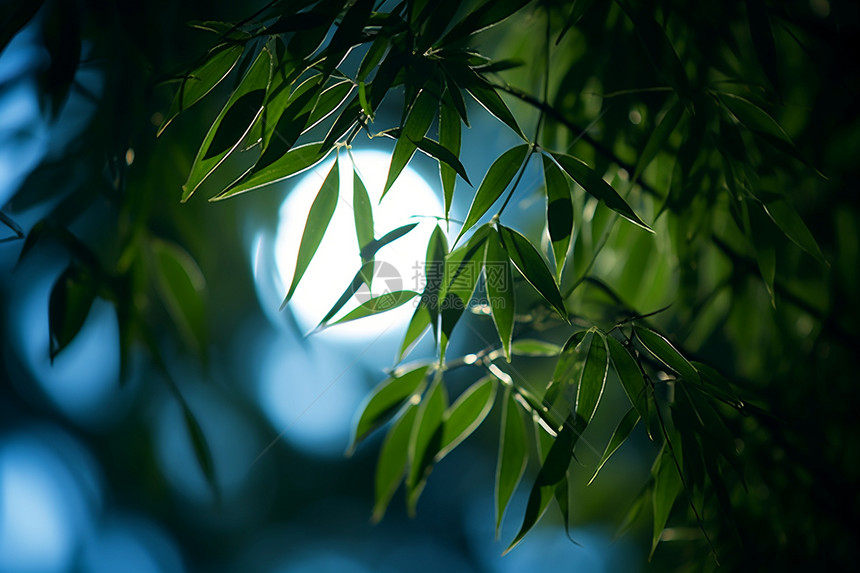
143,359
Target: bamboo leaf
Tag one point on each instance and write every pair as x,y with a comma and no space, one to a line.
425,441
466,414
659,137
319,217
392,463
293,162
663,351
594,184
498,177
629,375
500,289
533,268
559,211
419,324
667,486
386,399
533,347
69,305
445,157
180,283
449,139
418,121
371,248
232,124
513,454
382,303
362,211
593,380
619,436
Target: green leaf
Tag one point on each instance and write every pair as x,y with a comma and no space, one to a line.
180,283
200,447
619,436
362,211
434,274
513,454
594,184
418,121
667,486
559,211
329,100
445,157
372,58
663,351
372,247
384,302
319,217
488,14
283,130
69,305
466,414
197,84
629,375
790,223
295,161
593,380
500,289
551,473
425,441
232,124
762,233
533,347
449,139
533,268
386,399
490,100
659,137
363,276
419,323
393,459
497,179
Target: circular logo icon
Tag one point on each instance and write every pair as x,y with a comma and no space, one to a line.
385,279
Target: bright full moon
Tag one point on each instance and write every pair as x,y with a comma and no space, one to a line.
410,200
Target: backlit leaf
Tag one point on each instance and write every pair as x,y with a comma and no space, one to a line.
513,454
533,347
386,399
393,458
382,303
559,211
417,123
629,375
500,289
790,223
362,211
593,379
667,486
663,351
295,161
425,441
449,138
445,157
619,436
319,217
497,179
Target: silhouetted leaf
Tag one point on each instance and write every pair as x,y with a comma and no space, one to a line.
667,486
629,375
663,351
386,399
488,14
594,184
659,137
200,447
513,454
425,440
500,289
362,211
319,217
533,268
361,277
419,323
71,298
466,414
790,223
393,457
461,270
593,379
449,139
762,39
497,179
443,156
373,246
619,436
559,211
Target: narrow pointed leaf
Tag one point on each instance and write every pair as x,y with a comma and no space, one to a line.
449,139
593,183
293,162
386,399
551,473
790,223
68,307
533,347
461,270
593,379
417,123
445,157
499,281
513,455
659,137
373,246
663,351
319,217
629,375
531,265
466,414
559,211
200,447
362,211
486,15
425,441
619,436
180,283
194,87
667,486
497,179
434,275
577,10
360,278
232,124
378,304
418,325
392,463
